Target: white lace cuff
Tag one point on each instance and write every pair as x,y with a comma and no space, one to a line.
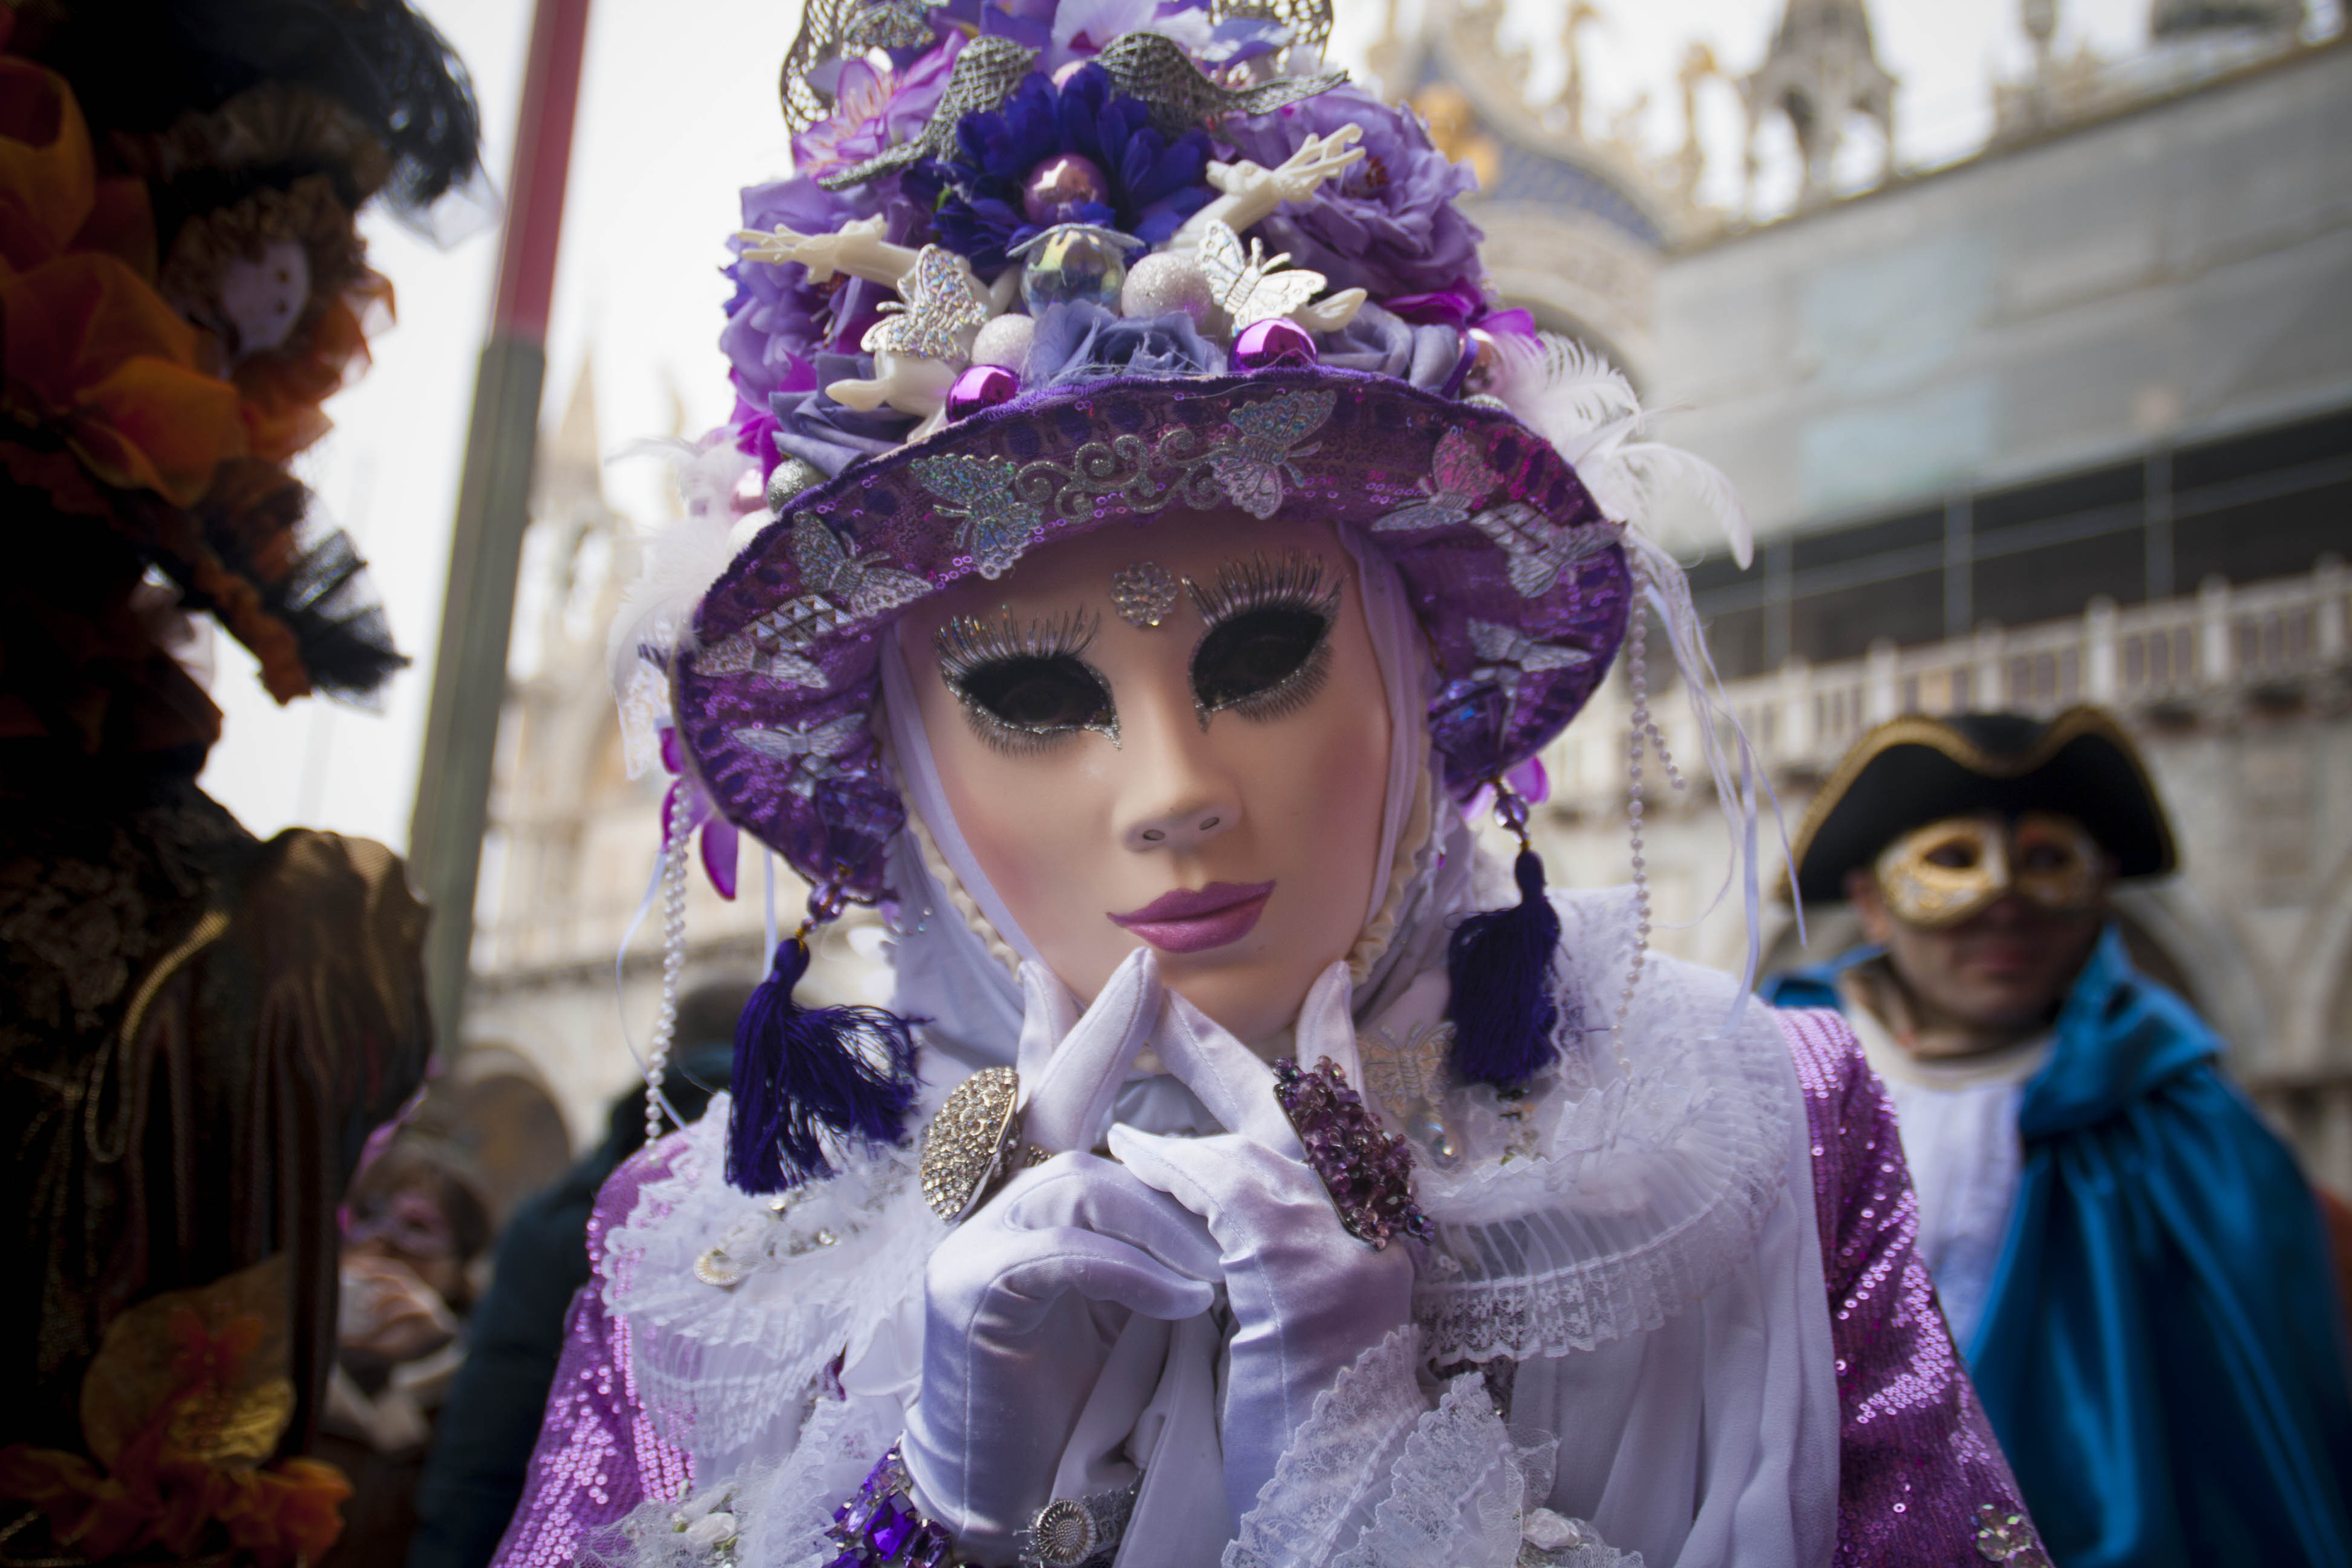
1335,1472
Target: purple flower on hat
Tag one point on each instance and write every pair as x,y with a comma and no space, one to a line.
811,425
876,109
1387,224
1084,342
778,319
1153,184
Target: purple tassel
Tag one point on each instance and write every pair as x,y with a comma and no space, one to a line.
1502,966
802,1072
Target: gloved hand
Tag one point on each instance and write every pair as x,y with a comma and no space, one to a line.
1308,1298
1024,1302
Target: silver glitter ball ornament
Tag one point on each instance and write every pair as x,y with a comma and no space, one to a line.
1005,341
1073,263
1163,284
793,476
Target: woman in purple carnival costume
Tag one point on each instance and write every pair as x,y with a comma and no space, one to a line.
1249,1170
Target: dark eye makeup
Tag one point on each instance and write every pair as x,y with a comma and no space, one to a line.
1023,688
1267,652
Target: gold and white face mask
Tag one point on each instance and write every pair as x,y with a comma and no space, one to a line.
1942,873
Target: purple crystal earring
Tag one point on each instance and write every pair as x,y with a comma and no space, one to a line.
1368,1173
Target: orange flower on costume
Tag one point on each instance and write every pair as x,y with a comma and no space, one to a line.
163,1491
93,349
51,199
90,346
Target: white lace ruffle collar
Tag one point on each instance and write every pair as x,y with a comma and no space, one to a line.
736,1304
1604,1203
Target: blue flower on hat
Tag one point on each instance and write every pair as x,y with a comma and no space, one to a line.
1152,183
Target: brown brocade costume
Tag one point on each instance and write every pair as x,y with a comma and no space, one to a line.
198,1031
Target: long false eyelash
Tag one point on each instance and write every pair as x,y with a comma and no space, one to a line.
966,645
1295,582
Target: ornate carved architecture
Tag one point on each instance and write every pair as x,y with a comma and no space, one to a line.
1820,74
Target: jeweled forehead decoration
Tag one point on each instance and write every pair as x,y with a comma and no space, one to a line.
1143,594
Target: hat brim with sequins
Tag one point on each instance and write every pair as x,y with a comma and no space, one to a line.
1520,582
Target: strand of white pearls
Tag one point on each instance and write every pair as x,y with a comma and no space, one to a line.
679,833
1641,733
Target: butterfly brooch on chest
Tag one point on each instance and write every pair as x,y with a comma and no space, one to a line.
1255,460
807,751
1251,285
839,588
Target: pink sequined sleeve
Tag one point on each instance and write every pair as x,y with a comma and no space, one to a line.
1920,1476
598,1456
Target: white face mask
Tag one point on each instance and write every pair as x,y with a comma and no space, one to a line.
1212,786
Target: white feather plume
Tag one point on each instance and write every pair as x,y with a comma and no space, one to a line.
1560,389
1587,409
681,559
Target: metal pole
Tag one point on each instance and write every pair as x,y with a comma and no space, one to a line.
469,669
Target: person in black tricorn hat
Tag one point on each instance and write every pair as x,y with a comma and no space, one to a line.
2132,1263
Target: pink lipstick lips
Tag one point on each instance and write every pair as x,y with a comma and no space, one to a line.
1196,919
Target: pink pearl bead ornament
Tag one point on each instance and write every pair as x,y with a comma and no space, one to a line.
1057,187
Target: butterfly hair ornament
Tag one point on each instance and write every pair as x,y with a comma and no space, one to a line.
1025,281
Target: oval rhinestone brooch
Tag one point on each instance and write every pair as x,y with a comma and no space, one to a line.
969,1141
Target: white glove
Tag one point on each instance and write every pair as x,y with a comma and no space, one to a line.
1024,1302
1308,1298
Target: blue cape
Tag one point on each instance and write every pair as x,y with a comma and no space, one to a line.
2163,1353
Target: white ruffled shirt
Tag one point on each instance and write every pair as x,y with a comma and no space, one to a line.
1959,1137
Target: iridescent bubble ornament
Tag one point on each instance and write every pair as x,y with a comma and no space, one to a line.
1056,188
1073,262
1263,345
982,387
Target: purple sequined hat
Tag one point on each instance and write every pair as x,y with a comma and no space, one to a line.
1037,274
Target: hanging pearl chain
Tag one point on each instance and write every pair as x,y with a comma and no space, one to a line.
1639,731
673,866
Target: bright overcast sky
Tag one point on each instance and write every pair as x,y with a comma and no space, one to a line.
677,111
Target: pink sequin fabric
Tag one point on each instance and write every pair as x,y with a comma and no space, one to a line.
598,1454
1919,1473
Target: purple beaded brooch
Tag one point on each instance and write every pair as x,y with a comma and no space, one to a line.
1368,1173
880,1524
